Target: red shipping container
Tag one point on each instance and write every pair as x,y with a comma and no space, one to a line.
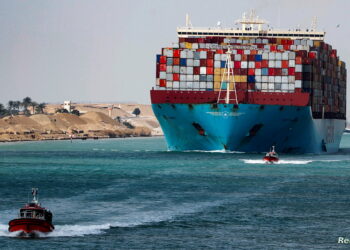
162,67
298,76
285,64
297,90
273,47
278,72
244,72
258,65
182,40
253,52
271,71
240,51
210,54
251,86
312,54
298,60
302,53
251,57
307,60
219,51
203,62
264,63
176,61
176,77
291,71
162,59
237,65
244,57
176,53
236,71
157,71
196,70
251,72
210,62
210,71
162,83
286,47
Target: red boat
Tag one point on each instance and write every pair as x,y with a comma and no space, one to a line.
271,157
32,218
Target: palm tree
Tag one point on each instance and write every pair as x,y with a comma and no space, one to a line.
3,111
16,105
10,107
40,108
25,103
33,105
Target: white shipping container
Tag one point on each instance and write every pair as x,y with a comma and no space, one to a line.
183,85
285,56
176,69
190,85
284,86
189,62
278,79
162,75
271,64
157,82
169,84
189,71
169,77
278,56
284,79
258,78
183,54
278,64
271,79
202,85
196,85
217,57
291,55
238,57
291,63
272,56
183,77
251,65
264,86
291,86
217,64
247,51
258,85
190,54
196,63
189,78
176,85
291,79
196,78
210,85
203,55
203,70
293,47
264,78
223,57
258,72
169,69
195,46
244,64
265,56
183,70
298,68
298,83
271,86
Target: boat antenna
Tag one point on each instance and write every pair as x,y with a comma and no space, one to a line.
35,195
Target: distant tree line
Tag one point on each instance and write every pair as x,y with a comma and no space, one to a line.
24,106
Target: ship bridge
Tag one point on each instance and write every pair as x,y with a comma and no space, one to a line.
251,26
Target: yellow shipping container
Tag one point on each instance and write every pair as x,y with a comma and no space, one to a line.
231,86
217,78
222,71
243,78
217,71
237,78
217,85
317,43
188,45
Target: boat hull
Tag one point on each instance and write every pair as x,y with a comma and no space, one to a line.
30,226
247,128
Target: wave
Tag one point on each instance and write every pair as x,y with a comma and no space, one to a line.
211,151
302,162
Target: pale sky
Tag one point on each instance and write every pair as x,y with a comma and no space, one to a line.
105,50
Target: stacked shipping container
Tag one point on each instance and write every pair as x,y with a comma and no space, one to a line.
259,65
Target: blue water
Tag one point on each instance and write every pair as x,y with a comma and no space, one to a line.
134,194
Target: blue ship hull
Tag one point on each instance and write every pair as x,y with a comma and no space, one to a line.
247,128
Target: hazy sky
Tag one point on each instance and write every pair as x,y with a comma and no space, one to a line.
104,50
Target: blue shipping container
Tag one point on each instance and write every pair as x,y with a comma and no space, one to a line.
183,62
258,58
264,71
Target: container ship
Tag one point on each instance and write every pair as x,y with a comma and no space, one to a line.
249,88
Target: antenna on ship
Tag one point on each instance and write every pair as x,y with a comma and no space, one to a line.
314,23
188,21
225,83
35,195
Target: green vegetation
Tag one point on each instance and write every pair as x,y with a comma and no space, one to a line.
26,107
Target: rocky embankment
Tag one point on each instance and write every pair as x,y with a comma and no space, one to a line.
92,123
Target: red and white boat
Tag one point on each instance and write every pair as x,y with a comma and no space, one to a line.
271,157
32,218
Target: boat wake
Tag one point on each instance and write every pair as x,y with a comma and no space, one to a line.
296,162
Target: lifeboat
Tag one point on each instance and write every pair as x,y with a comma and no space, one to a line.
32,218
271,157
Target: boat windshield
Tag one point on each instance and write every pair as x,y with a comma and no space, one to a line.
32,214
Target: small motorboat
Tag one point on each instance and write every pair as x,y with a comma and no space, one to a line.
33,218
271,157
